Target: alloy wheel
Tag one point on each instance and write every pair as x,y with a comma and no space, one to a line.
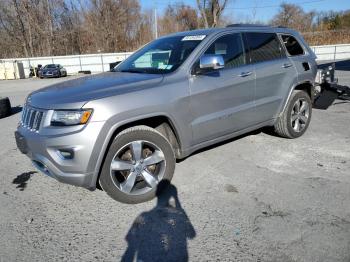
300,115
138,167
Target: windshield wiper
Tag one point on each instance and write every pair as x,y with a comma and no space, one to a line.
131,71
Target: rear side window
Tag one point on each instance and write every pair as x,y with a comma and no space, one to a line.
263,47
231,49
292,45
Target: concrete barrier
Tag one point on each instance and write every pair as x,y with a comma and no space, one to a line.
332,52
94,62
100,62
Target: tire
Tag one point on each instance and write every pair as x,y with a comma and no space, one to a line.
5,107
85,72
287,126
113,179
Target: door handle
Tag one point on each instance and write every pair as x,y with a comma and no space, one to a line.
244,74
287,65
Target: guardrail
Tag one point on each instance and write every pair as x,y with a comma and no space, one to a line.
100,62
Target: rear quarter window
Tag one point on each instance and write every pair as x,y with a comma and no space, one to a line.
263,47
292,45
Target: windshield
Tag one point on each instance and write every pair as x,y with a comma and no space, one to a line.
161,56
50,66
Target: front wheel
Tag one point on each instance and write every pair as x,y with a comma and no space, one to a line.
138,159
296,117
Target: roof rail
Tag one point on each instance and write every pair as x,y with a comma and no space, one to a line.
247,25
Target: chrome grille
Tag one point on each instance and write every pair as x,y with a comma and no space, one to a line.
31,118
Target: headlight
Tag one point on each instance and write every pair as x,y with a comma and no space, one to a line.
70,117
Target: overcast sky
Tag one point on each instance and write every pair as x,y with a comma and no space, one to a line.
241,10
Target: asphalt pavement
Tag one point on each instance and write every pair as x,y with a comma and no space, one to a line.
255,198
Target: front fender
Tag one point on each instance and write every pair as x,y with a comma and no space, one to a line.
109,131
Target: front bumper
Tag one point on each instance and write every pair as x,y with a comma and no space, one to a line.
45,152
49,75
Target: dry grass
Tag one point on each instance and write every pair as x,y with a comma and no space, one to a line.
327,37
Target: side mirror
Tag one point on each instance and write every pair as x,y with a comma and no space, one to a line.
211,62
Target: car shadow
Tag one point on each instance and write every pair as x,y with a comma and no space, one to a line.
161,233
329,92
325,99
328,95
22,179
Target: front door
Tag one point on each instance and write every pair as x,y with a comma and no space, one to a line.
222,101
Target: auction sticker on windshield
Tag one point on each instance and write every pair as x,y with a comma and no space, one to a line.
193,38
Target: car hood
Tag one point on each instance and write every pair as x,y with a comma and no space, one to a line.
75,93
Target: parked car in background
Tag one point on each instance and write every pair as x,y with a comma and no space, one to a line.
52,70
123,130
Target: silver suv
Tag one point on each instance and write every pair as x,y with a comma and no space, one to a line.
123,130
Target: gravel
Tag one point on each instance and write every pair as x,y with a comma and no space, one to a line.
255,198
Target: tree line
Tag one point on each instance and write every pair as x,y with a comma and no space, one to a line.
318,28
31,28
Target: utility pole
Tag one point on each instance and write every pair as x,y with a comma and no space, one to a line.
155,20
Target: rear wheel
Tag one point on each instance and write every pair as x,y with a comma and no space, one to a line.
138,159
296,117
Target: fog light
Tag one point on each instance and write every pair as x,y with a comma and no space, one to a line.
66,153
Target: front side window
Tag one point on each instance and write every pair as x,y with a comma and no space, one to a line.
263,47
231,49
161,56
292,45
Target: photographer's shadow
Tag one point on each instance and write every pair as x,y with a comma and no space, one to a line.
160,234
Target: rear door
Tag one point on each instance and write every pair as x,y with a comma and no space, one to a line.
300,58
275,73
222,101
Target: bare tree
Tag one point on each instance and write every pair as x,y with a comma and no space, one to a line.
293,16
10,39
58,27
178,18
111,24
211,11
63,27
